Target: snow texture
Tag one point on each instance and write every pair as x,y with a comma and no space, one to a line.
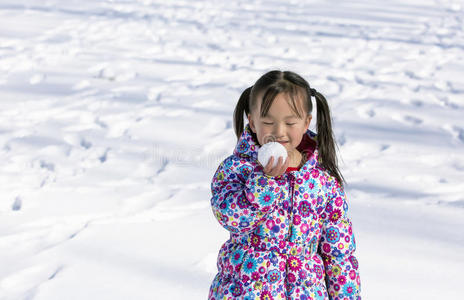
271,149
115,114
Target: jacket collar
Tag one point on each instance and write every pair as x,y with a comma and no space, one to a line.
247,147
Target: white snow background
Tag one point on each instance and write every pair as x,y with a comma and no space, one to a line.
114,116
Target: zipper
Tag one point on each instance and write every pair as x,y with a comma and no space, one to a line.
290,215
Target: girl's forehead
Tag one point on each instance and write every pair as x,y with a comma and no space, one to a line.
282,107
269,115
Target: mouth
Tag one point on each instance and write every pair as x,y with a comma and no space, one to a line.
283,142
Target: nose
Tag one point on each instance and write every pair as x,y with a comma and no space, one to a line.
279,131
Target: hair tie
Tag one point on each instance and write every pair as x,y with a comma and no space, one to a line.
313,92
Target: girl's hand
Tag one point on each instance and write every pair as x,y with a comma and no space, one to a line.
279,169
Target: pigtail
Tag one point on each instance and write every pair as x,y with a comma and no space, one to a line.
325,137
241,107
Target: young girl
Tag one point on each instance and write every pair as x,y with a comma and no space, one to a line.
290,234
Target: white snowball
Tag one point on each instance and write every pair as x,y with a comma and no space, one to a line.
271,149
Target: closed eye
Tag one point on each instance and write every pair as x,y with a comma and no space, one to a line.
266,123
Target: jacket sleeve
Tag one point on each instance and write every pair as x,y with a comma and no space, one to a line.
337,248
241,196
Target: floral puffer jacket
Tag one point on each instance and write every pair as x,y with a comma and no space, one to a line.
290,235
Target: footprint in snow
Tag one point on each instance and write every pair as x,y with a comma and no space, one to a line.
17,204
412,120
86,144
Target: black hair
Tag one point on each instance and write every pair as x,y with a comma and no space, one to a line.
293,85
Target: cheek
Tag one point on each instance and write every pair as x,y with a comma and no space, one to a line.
263,133
296,136
262,130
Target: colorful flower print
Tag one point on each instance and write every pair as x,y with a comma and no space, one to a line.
273,276
237,256
249,265
243,146
319,272
242,202
349,289
319,293
266,295
304,208
335,215
270,223
263,181
333,235
341,280
336,270
294,263
236,289
266,199
354,261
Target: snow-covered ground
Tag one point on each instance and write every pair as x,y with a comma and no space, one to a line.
115,114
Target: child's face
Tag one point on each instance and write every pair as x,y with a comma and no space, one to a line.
280,124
